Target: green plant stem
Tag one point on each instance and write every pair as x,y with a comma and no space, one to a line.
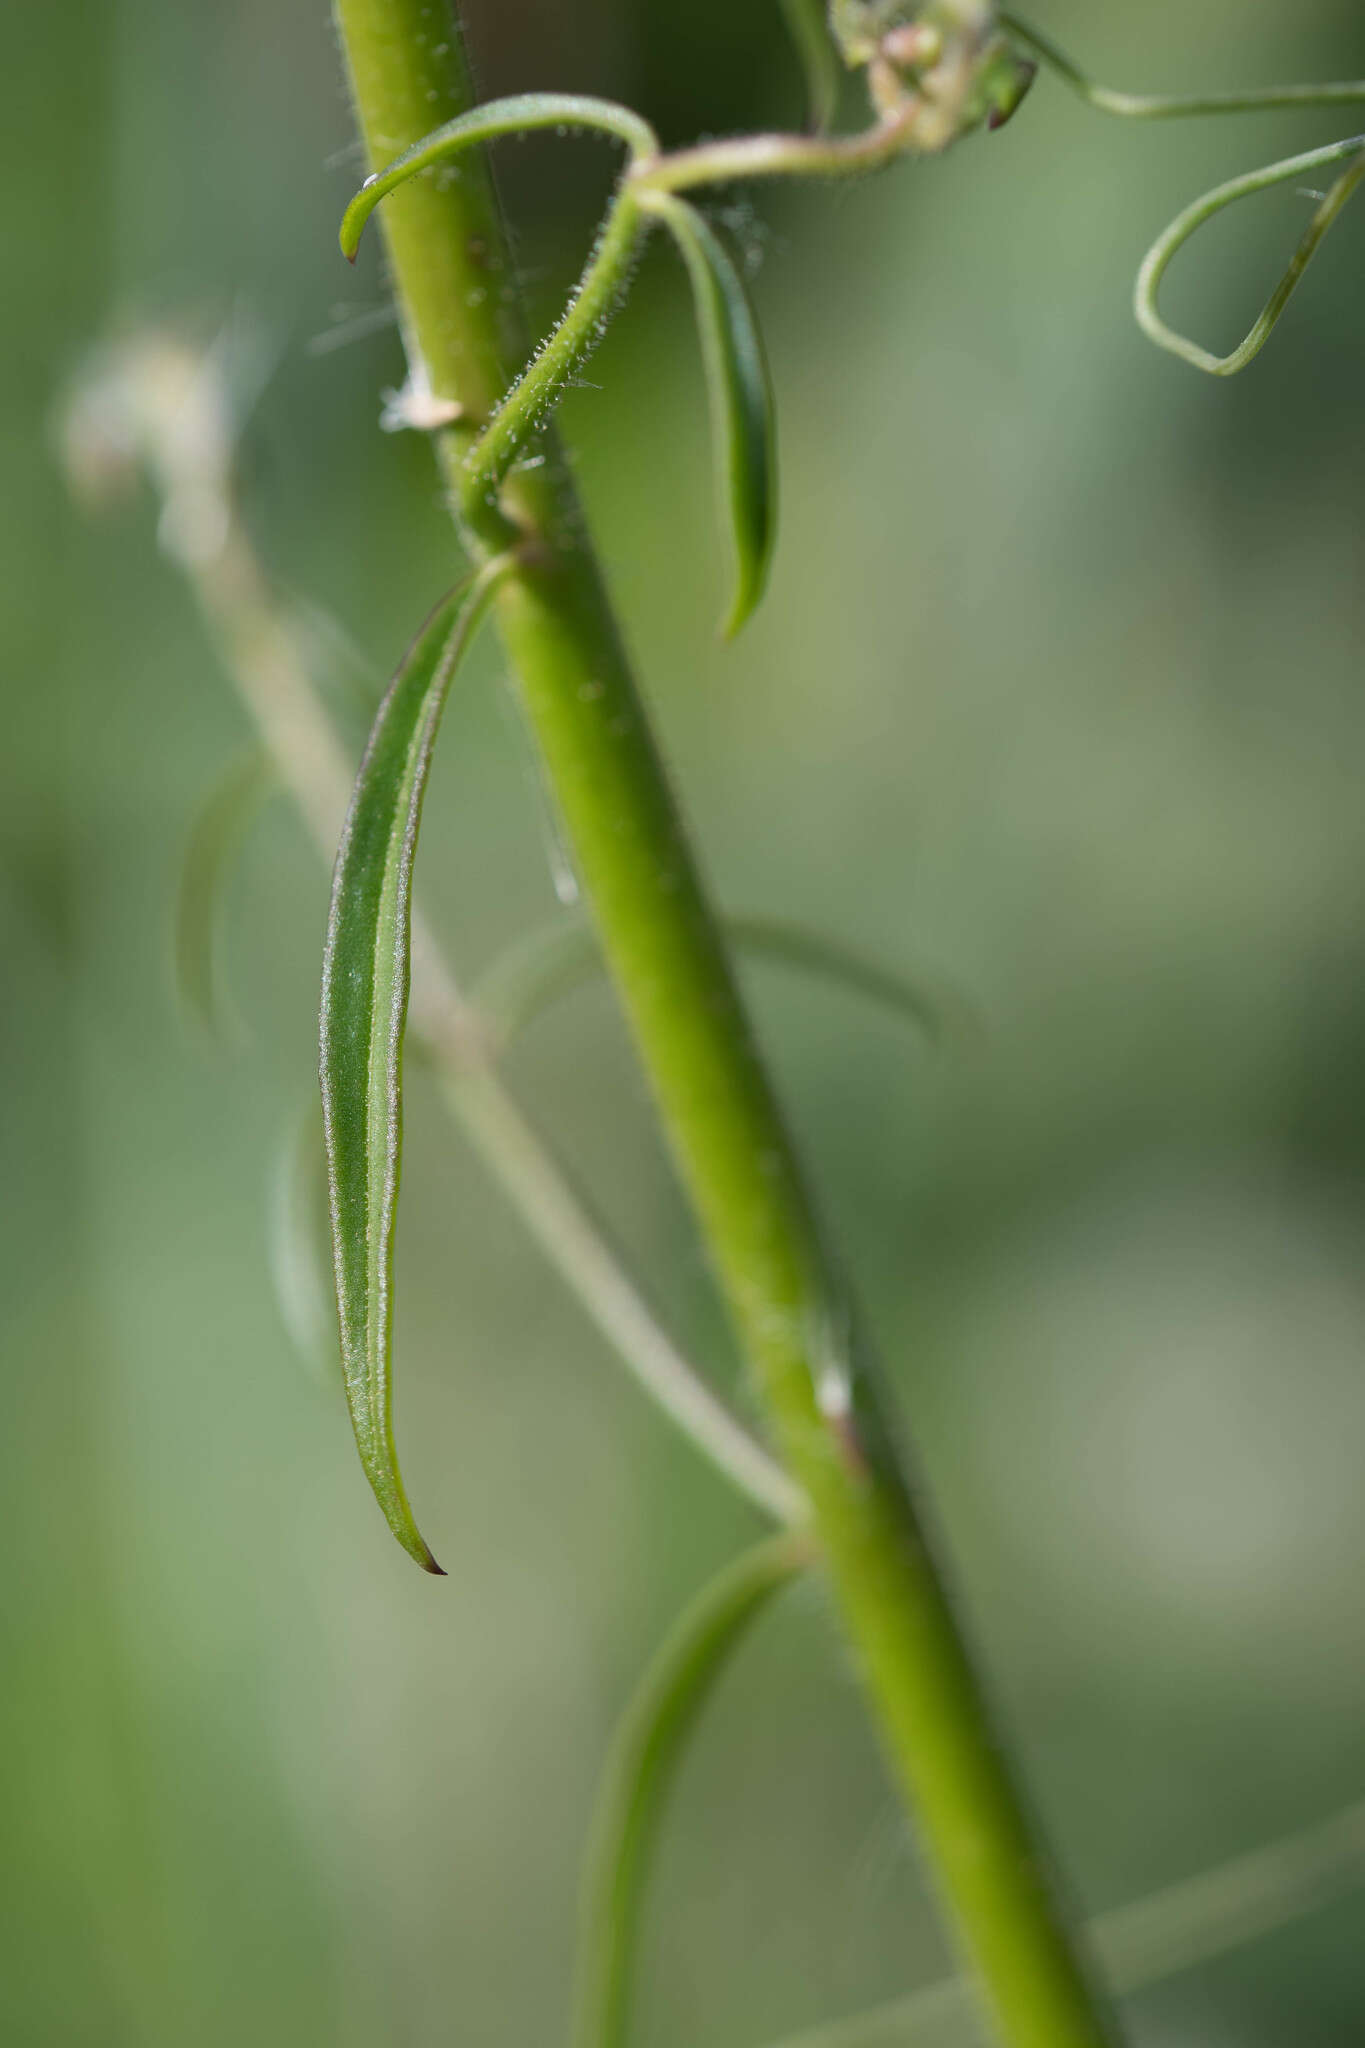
730,1143
1137,106
779,156
1174,238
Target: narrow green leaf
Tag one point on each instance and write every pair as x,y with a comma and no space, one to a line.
364,1011
741,399
551,963
644,1757
809,30
215,840
299,1244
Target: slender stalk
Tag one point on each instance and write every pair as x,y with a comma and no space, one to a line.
1173,239
152,399
578,1248
1146,106
730,1143
780,156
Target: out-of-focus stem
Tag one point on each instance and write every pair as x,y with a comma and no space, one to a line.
154,400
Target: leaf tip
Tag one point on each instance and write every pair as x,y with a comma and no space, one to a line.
353,226
744,604
734,622
398,1515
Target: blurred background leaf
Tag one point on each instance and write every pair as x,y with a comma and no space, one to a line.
1058,685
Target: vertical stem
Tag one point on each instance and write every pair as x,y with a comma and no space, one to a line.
450,272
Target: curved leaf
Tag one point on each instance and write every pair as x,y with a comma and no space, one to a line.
364,1012
552,963
645,1754
518,115
214,842
741,398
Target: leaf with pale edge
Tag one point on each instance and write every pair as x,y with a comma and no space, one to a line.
364,1011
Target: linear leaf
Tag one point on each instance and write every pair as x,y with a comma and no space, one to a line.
215,840
364,1012
551,963
740,392
645,1754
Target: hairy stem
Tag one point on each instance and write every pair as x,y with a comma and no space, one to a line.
666,956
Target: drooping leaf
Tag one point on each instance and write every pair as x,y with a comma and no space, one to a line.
644,1757
553,962
215,840
364,1012
740,392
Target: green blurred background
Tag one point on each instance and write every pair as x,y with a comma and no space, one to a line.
1057,694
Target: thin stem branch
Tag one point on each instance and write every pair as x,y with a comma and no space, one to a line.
542,382
779,156
580,1251
1168,244
1136,106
